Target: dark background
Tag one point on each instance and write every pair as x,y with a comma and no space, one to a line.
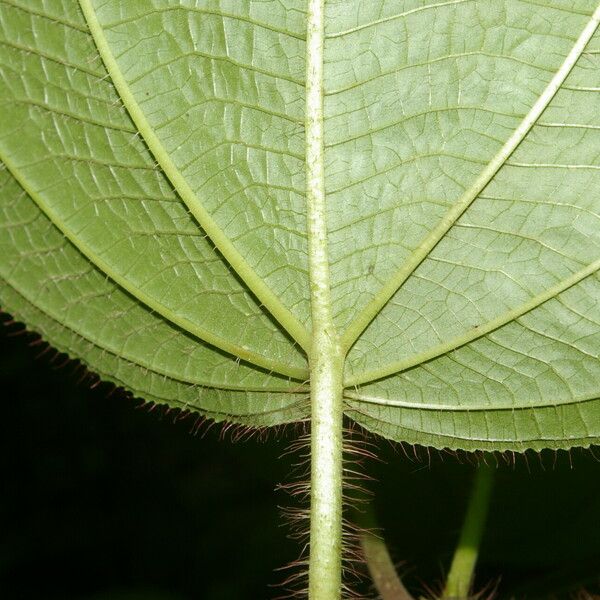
103,500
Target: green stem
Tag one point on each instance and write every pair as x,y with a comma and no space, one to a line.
379,562
324,581
460,577
325,357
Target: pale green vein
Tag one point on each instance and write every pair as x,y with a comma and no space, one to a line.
326,362
418,115
208,12
395,17
93,161
67,114
565,9
237,262
429,406
119,279
437,233
239,104
148,397
59,61
146,366
412,159
474,333
581,88
551,166
225,59
42,15
404,67
569,125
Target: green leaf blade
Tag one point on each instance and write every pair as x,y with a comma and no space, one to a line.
249,148
48,284
158,163
465,329
112,201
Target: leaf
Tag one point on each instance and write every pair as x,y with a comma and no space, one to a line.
154,207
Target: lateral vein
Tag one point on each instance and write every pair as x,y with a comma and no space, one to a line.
429,406
146,365
205,335
237,262
473,334
370,311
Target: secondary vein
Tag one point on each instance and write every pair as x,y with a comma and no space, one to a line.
473,334
107,348
430,406
370,311
190,326
237,262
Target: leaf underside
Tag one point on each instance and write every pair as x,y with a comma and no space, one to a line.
153,220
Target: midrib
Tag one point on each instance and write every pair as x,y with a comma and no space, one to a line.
325,357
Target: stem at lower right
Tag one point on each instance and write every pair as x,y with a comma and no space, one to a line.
462,570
